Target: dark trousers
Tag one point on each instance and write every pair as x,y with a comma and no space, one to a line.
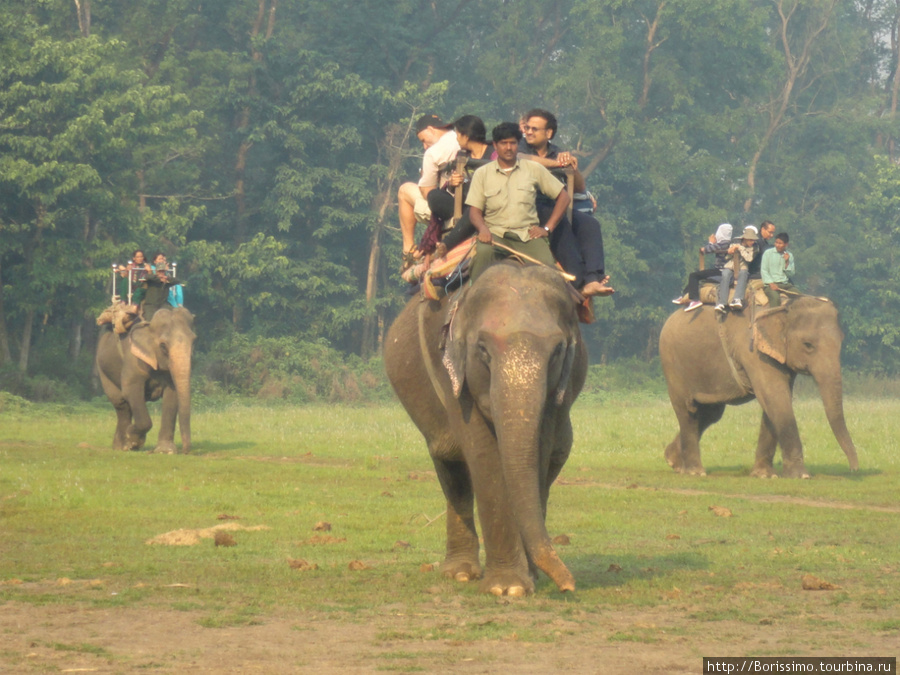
577,246
694,279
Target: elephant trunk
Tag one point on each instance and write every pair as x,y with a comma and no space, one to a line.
180,368
518,398
831,390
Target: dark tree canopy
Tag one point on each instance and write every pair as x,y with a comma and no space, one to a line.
261,143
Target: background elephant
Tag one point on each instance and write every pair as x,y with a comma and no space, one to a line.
495,415
150,361
709,363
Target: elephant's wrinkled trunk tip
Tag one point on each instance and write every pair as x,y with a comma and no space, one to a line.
551,564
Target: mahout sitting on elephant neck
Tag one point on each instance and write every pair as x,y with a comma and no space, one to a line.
493,406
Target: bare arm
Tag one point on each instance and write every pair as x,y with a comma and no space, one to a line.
476,215
563,159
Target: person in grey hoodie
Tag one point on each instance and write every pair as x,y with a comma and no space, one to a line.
718,244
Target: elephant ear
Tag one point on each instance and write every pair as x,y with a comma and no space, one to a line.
769,333
454,358
566,372
143,345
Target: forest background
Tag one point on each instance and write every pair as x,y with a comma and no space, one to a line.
260,144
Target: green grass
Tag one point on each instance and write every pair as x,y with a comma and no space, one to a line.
75,517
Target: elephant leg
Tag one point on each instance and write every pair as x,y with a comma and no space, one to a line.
461,561
165,443
765,449
506,570
136,434
673,453
693,423
780,412
123,421
123,412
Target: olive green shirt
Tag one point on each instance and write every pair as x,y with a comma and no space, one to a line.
507,198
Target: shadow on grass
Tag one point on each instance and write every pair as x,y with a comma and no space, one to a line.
214,447
611,571
837,470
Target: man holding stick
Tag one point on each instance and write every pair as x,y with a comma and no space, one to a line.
502,204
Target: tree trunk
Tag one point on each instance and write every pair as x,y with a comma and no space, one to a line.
26,341
75,333
369,323
392,152
5,356
83,9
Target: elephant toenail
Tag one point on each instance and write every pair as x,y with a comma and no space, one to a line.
516,591
461,576
496,590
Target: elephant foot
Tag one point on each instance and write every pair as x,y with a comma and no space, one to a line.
763,472
461,570
507,582
673,456
795,472
164,448
692,470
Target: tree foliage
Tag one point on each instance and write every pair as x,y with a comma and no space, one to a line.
261,143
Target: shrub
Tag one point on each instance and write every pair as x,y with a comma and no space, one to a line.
284,368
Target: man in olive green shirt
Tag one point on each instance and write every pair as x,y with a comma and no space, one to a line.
502,200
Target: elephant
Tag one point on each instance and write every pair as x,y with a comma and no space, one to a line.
489,378
710,362
151,360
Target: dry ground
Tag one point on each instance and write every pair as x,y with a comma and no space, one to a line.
74,639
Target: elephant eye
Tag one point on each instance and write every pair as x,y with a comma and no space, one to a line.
483,353
164,348
809,346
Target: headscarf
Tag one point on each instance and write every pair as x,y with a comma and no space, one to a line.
723,233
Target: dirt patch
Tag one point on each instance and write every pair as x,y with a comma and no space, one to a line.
59,638
193,537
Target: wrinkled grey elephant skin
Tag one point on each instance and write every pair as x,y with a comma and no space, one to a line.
493,406
711,361
151,361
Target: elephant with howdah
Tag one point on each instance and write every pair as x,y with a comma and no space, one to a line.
491,394
150,361
710,361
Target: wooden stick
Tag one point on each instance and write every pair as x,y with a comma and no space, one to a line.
570,186
461,160
528,258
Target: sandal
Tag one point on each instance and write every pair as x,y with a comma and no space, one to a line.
408,259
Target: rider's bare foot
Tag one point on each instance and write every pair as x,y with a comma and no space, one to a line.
601,288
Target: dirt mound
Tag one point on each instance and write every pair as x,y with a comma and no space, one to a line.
193,537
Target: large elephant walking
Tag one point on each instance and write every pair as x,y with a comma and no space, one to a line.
493,405
150,361
710,362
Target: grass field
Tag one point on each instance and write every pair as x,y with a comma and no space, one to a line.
663,578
